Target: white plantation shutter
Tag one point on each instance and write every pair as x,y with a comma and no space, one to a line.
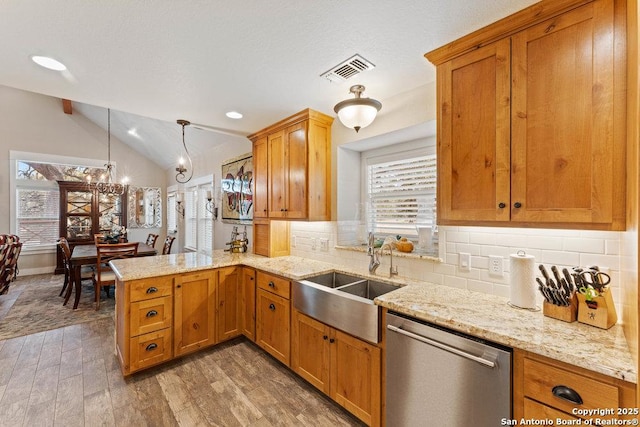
191,218
198,220
172,218
401,194
205,221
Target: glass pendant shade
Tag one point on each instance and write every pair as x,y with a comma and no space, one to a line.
357,113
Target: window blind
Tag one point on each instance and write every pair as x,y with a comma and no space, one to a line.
191,218
401,194
172,219
38,215
205,222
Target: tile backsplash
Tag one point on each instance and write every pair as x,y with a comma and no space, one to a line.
563,248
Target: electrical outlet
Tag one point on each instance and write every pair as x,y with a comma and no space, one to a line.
465,261
324,244
313,243
495,265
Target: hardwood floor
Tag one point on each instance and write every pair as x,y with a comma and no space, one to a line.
70,377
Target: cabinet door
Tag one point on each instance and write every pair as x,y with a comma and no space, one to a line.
310,350
278,174
248,313
272,325
228,303
563,148
296,142
474,136
194,311
260,181
355,376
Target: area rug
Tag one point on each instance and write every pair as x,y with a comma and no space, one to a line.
32,305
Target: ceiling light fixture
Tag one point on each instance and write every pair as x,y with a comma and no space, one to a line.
50,63
357,113
106,184
181,169
234,115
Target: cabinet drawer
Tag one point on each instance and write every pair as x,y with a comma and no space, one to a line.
150,349
538,411
274,284
540,379
150,288
150,315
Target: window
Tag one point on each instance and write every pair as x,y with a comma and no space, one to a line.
35,196
172,217
198,220
401,192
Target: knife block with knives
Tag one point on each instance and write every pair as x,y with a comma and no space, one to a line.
595,302
559,294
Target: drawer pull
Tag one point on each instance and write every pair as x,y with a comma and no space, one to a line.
332,340
152,313
152,290
152,346
272,285
272,307
568,394
324,337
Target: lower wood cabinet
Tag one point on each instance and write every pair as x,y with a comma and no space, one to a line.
548,389
273,308
248,303
194,311
228,300
345,368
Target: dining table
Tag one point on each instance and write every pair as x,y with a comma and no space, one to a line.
88,255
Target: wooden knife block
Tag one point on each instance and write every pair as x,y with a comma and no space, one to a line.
565,313
603,315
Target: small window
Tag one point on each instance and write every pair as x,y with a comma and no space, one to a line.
401,194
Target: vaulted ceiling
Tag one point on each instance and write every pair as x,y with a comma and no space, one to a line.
155,62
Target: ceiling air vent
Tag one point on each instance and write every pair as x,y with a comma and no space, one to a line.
347,69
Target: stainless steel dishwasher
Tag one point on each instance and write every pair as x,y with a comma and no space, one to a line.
438,377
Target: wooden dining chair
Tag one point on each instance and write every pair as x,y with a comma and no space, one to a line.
98,239
166,248
86,271
104,276
151,240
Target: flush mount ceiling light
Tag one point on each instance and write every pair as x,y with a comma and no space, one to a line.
50,63
357,113
234,115
181,177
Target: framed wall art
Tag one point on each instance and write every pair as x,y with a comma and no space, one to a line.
237,192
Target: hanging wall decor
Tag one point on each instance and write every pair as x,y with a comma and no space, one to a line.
237,192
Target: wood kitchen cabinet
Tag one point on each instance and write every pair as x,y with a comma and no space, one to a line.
194,311
260,178
345,368
248,303
273,316
536,377
531,114
228,303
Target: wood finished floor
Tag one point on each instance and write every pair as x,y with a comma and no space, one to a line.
70,377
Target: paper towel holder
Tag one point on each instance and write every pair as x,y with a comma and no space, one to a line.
522,253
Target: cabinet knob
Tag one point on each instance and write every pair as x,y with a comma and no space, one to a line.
281,209
502,205
152,290
332,340
566,393
324,337
179,286
152,313
272,285
517,205
151,346
272,307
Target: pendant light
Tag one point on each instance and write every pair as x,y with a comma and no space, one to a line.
357,113
181,169
106,185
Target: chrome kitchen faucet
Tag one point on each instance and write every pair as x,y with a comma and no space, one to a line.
374,262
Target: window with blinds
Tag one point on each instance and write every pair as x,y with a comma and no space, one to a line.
401,194
172,218
37,215
191,218
198,220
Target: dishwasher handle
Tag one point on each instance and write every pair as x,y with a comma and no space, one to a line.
442,346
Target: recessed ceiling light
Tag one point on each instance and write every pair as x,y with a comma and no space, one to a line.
234,115
133,132
50,63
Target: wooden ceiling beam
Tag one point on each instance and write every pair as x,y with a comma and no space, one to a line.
66,106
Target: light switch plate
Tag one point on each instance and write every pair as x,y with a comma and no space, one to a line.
324,244
464,261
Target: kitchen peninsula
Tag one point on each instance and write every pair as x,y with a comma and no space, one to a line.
603,352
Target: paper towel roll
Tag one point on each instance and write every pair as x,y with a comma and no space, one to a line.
523,291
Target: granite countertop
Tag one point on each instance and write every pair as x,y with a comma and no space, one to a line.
482,315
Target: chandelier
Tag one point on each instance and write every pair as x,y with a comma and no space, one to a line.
106,185
358,112
181,177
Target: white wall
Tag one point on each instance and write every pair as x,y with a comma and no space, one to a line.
31,122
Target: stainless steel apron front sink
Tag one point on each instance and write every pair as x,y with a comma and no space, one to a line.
342,301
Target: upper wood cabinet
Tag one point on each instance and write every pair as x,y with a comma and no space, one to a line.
295,180
531,119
